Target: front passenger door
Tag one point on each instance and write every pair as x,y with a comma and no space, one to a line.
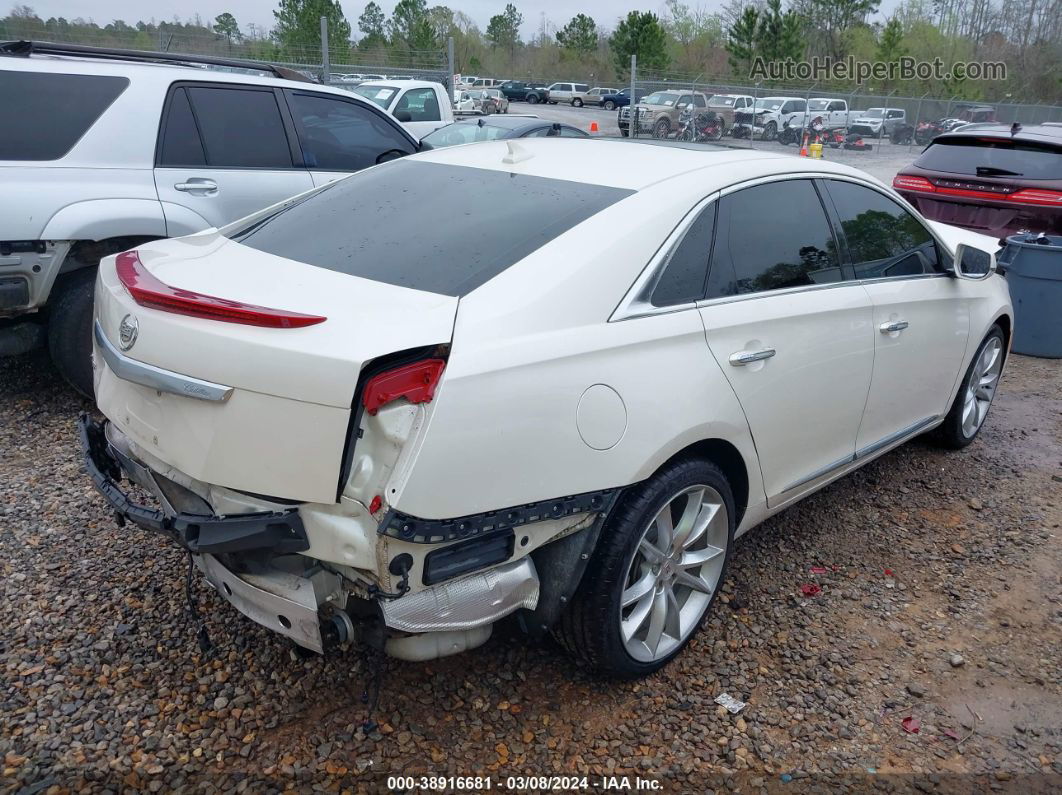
921,321
791,332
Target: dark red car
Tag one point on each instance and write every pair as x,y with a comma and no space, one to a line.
995,179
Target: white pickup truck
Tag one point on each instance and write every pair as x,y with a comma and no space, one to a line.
419,105
834,112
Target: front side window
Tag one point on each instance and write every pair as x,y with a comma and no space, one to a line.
699,101
44,115
884,240
373,225
421,104
772,237
241,128
343,136
683,276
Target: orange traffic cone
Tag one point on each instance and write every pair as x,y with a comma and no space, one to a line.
593,126
804,146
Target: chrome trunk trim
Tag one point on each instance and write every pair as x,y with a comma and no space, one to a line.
155,377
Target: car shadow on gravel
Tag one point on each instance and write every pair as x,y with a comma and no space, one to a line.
922,557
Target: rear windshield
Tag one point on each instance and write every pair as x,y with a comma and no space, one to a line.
439,228
464,133
44,115
992,157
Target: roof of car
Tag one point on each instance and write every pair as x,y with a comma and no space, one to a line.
1043,133
161,72
621,163
405,83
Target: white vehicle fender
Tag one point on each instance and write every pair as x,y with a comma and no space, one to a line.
100,219
181,221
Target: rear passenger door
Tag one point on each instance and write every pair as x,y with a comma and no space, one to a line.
337,136
791,331
224,151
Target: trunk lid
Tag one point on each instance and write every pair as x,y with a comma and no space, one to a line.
283,428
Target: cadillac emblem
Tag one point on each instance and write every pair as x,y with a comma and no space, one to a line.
127,331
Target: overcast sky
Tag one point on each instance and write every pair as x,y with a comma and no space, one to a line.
260,12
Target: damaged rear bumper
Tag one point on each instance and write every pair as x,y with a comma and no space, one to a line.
281,532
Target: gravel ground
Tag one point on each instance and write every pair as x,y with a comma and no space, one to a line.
882,161
940,601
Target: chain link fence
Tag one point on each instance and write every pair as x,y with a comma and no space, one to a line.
343,59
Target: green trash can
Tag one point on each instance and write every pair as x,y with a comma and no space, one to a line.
1033,265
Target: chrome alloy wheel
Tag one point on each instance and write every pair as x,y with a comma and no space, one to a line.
982,387
674,572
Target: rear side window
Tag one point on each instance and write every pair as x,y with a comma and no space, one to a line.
992,157
44,115
682,281
374,225
420,103
884,240
241,127
181,144
343,136
772,237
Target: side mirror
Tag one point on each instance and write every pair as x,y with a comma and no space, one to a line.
403,115
973,263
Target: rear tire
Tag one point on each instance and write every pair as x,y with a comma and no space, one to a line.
577,103
70,328
976,393
600,630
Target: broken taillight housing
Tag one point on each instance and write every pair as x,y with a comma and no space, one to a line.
151,292
415,382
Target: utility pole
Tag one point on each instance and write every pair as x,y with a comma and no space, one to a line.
326,67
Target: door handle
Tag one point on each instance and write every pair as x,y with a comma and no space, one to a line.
893,325
195,184
741,358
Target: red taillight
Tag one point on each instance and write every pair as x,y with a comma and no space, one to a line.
150,292
415,382
1045,198
913,183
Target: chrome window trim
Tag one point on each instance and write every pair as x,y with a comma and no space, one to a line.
636,303
155,377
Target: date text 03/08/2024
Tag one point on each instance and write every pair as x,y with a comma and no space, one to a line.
522,783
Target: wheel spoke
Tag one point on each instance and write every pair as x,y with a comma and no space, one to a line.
699,557
651,553
673,625
704,521
639,589
657,619
692,581
632,623
694,502
665,531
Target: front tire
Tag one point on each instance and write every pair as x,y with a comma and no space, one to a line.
662,129
976,393
70,328
770,132
610,105
655,572
532,99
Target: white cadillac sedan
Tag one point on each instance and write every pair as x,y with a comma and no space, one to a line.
553,377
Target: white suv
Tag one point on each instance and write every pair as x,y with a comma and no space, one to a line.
144,150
